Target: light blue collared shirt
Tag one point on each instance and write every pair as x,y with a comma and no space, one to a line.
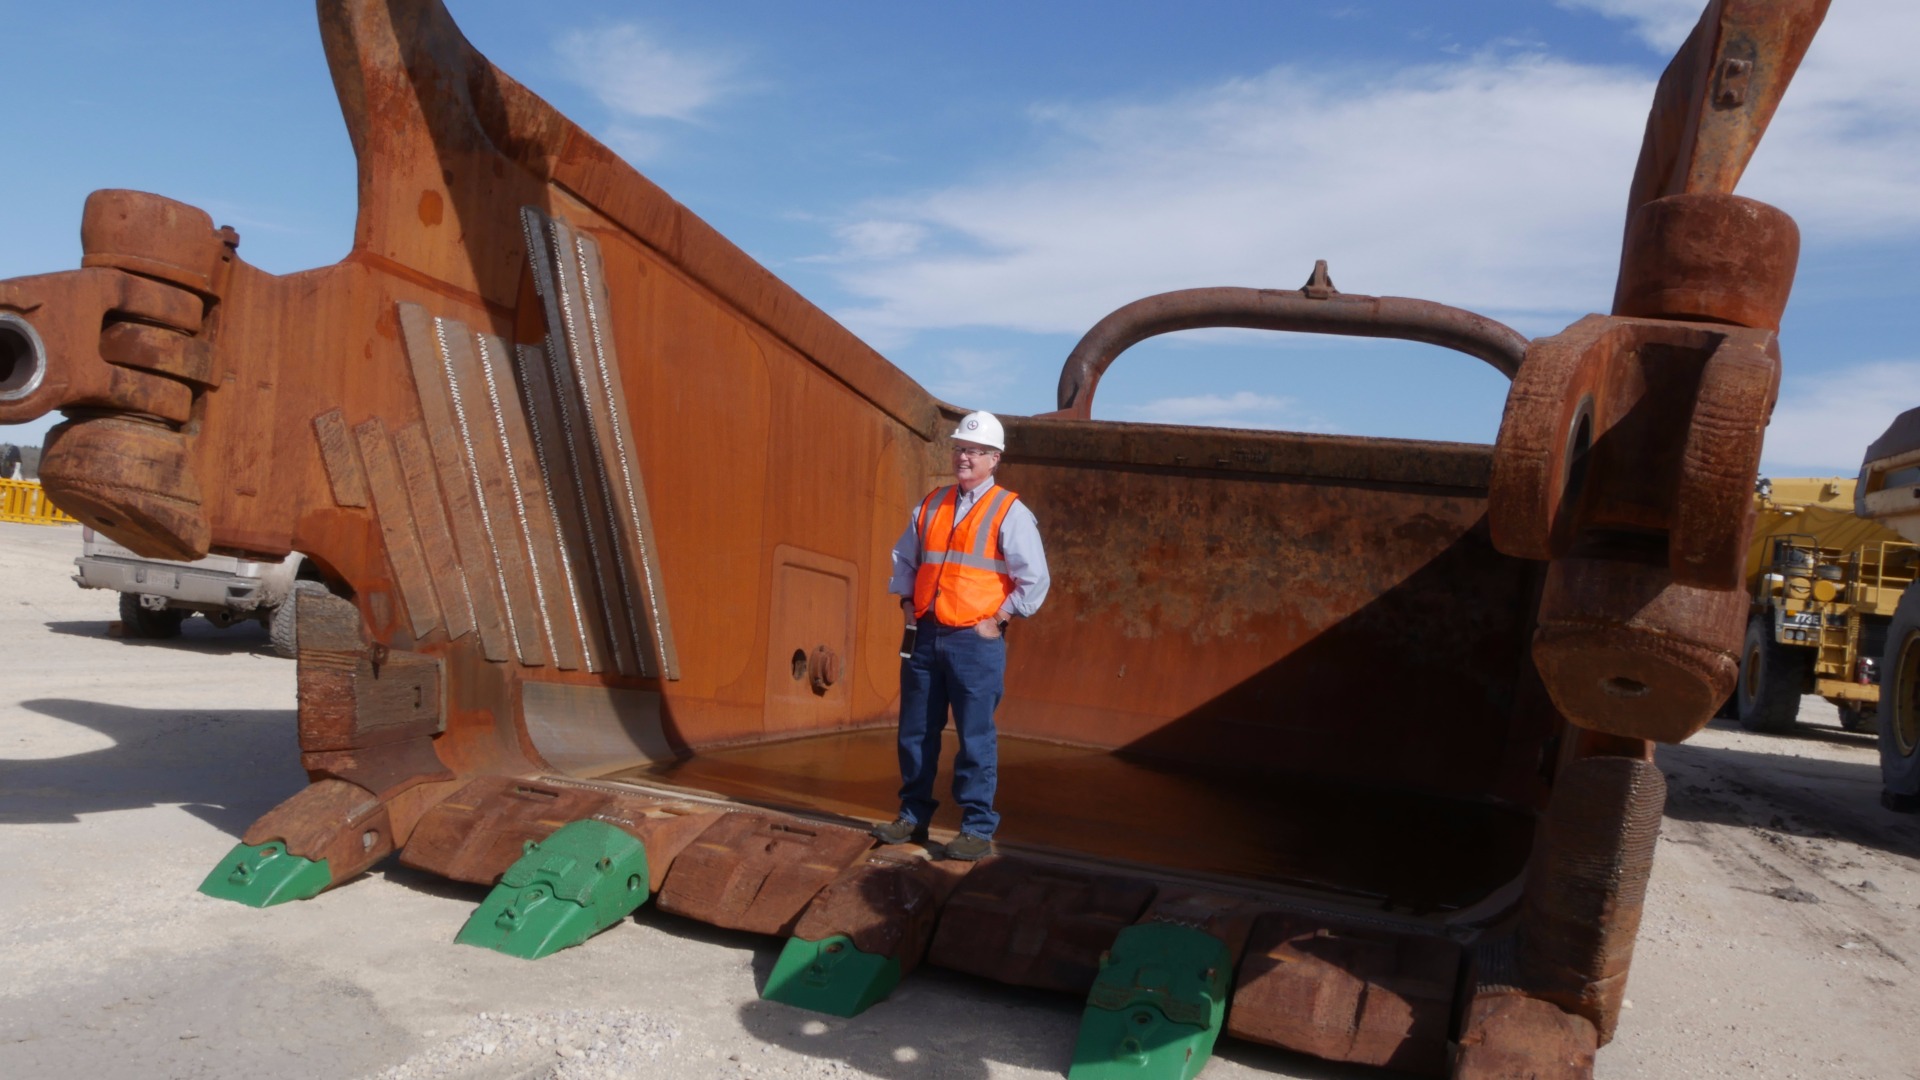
1019,545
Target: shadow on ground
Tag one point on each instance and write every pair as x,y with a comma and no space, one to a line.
226,767
197,635
967,1025
1783,793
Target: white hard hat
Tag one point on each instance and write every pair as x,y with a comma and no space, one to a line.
983,428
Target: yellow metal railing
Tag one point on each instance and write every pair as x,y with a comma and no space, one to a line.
25,500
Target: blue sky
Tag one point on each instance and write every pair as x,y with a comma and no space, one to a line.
970,188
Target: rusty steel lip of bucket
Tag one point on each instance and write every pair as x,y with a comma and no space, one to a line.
486,456
1463,923
1028,831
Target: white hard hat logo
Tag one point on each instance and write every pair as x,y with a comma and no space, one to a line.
983,428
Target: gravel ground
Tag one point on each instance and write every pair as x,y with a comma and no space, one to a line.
1778,938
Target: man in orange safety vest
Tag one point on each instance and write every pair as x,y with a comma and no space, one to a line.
969,561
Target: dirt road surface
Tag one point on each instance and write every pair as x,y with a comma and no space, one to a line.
1780,937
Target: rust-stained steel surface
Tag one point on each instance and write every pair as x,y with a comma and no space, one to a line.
1348,992
1034,924
1374,713
1401,848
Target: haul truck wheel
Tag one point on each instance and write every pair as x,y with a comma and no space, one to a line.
144,622
1900,708
1772,678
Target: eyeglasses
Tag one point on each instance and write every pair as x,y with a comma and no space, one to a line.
973,451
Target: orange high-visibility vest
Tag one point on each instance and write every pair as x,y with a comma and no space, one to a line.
963,574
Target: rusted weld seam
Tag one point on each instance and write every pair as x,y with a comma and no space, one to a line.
591,291
480,500
559,355
513,481
578,349
529,372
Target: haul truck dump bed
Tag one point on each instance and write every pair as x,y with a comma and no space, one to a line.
1336,744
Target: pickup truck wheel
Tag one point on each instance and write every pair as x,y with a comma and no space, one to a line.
1857,719
137,621
1900,708
282,628
1772,678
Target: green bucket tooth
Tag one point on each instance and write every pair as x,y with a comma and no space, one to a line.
1156,1007
831,976
261,875
577,882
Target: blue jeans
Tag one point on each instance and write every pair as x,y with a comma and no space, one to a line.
951,666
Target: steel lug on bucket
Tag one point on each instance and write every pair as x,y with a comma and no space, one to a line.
262,875
584,878
831,976
1156,1007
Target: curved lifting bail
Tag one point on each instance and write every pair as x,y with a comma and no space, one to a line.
1314,308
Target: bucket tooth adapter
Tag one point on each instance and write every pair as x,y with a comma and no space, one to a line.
1337,744
582,879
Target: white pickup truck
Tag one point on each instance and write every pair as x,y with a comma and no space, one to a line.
157,595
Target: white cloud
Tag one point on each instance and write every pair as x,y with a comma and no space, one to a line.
874,240
1244,409
1824,420
1496,183
635,143
1843,153
969,376
1662,24
638,78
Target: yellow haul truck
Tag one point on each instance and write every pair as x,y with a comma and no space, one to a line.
1888,494
1825,583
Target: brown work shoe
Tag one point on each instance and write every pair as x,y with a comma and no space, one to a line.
967,847
900,831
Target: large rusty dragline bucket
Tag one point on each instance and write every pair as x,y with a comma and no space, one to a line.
1352,736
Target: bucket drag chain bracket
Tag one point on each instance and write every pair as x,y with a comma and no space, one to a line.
565,889
1156,1006
121,346
1626,458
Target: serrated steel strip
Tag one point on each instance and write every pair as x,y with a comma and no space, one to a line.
536,397
476,563
588,489
490,465
631,493
528,528
395,513
342,460
430,517
571,291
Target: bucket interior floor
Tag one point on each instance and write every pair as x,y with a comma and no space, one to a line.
1405,850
